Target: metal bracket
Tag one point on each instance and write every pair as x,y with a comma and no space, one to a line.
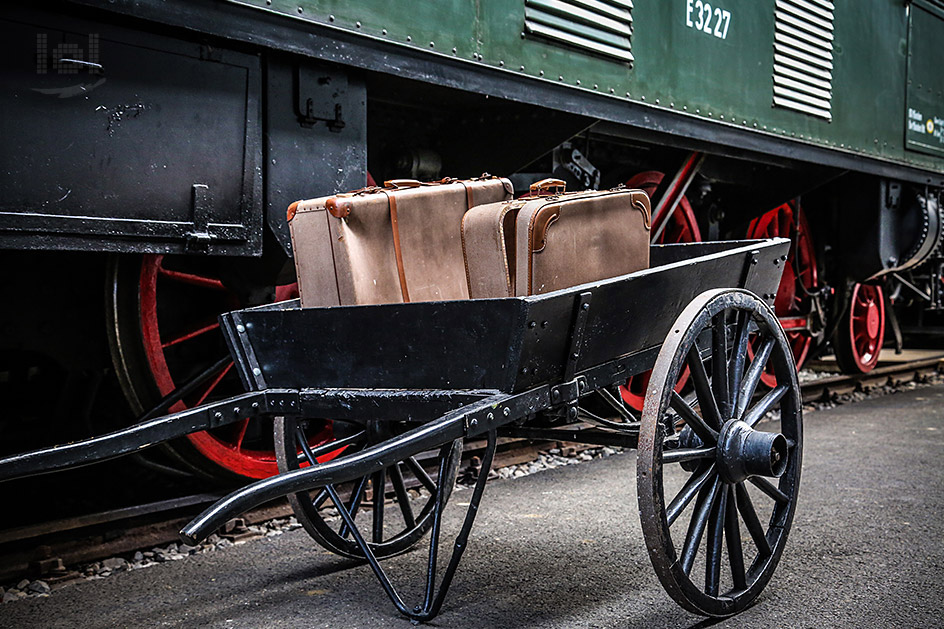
569,391
198,240
581,310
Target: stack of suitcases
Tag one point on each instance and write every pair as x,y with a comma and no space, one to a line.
462,239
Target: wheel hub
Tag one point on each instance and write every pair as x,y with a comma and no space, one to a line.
744,452
872,321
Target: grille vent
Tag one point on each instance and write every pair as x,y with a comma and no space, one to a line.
604,27
803,56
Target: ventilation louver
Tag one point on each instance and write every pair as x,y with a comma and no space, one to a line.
803,56
604,27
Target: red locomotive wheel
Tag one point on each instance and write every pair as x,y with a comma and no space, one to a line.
174,336
682,228
859,337
793,305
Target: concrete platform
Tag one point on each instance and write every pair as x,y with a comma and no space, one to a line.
563,548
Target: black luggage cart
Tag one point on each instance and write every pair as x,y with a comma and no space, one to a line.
718,460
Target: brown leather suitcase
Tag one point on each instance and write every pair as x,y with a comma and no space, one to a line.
546,243
399,242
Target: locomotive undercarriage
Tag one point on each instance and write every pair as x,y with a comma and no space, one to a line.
142,316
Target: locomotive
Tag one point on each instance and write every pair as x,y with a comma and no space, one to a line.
150,150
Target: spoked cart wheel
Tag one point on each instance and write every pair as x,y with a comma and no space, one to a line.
717,474
861,331
390,533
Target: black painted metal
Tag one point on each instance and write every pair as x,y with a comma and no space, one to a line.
511,344
115,158
148,433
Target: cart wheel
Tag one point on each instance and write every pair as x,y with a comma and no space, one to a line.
388,535
728,465
861,331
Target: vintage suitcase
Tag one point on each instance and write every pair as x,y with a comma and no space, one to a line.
545,243
399,242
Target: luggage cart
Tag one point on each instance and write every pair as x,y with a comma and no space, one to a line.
718,464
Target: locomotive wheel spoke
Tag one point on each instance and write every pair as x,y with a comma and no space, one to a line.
709,463
766,404
706,399
732,534
767,487
213,384
191,334
684,497
193,279
754,527
241,429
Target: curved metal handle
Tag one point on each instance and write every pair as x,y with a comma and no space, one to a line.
557,185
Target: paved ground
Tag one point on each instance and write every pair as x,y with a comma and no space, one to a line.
563,548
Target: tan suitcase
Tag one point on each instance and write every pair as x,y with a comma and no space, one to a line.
399,242
546,243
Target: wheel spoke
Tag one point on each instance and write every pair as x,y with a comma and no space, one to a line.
354,505
617,405
709,406
213,384
746,507
696,527
241,433
767,487
403,499
302,441
320,499
715,538
752,377
421,474
186,336
687,493
379,482
687,454
706,433
719,364
771,399
192,278
732,534
739,356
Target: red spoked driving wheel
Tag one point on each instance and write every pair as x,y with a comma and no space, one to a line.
858,338
170,337
682,227
793,303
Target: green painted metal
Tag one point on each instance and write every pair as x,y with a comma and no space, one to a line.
724,75
925,98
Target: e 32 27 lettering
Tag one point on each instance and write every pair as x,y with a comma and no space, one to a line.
703,17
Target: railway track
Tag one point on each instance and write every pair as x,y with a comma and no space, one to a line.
46,550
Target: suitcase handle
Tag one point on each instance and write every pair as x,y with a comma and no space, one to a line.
551,186
398,184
